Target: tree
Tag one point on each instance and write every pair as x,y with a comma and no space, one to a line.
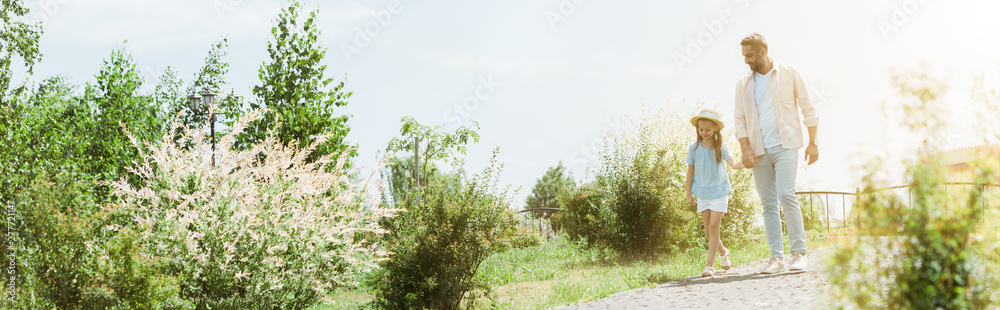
48,134
294,90
117,102
17,39
20,39
211,77
213,74
555,181
399,176
58,122
437,249
428,144
167,93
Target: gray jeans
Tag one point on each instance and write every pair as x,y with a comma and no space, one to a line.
775,179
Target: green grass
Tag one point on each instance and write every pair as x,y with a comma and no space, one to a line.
347,299
561,272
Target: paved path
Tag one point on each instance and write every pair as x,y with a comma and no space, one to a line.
740,287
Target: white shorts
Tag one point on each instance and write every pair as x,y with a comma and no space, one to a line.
717,205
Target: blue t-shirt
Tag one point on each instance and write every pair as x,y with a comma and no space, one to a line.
765,110
710,178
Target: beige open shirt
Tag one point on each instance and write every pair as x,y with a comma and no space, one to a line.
788,93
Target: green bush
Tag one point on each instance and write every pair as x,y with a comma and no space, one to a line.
928,253
814,213
545,193
440,242
525,238
926,248
740,223
76,257
649,214
637,204
583,218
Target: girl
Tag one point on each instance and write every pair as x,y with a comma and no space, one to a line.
707,179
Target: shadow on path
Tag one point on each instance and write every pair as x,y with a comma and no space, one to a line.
723,278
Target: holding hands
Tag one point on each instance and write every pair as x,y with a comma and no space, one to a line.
749,158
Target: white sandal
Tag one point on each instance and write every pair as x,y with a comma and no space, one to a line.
725,261
708,272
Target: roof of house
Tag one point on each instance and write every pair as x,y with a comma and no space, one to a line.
959,158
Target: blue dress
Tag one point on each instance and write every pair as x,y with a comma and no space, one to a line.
710,178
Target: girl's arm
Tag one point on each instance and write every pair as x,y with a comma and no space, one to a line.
733,163
687,184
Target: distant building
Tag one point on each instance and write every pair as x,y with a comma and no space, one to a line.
959,161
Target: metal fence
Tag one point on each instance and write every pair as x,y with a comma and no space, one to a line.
849,200
538,220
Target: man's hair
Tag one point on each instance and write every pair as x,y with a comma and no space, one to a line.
755,41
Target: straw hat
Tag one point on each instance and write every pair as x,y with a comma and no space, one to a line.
709,115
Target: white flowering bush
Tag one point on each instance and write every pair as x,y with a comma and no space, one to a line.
261,228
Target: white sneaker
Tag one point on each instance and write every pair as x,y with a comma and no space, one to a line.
774,265
798,262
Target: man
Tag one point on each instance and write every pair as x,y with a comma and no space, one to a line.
767,124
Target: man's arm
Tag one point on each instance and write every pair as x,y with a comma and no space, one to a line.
809,117
806,106
812,151
749,157
740,127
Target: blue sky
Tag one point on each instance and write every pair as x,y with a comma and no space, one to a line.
543,78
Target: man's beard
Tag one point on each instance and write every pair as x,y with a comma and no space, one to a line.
756,66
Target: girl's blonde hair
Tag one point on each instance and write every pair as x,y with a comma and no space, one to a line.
718,140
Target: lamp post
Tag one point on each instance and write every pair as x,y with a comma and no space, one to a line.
201,105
